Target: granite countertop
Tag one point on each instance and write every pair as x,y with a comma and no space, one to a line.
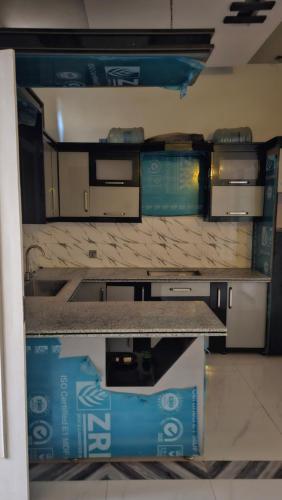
57,316
124,274
121,319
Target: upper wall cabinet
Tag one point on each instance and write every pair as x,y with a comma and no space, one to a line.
236,190
51,178
115,185
74,184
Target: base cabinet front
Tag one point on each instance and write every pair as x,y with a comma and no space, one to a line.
246,314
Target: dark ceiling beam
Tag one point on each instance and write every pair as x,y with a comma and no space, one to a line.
244,19
251,6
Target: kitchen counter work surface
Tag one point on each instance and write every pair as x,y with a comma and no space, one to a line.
48,316
125,274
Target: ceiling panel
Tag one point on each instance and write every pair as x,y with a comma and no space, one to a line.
42,14
128,14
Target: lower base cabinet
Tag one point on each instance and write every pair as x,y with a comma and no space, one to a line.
246,314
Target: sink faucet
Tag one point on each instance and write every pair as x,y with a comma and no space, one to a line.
28,273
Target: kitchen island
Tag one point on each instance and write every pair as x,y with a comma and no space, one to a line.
115,378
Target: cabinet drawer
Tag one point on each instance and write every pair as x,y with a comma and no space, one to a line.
111,202
237,201
180,289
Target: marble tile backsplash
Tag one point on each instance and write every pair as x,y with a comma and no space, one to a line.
156,242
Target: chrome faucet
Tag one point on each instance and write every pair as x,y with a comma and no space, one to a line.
28,273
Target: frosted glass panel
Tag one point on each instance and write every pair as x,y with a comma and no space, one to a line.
114,170
232,168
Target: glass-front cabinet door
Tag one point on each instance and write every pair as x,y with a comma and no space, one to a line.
240,166
114,169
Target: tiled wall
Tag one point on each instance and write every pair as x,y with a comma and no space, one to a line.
157,242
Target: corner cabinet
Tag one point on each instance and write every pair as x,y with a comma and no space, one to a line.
236,190
74,184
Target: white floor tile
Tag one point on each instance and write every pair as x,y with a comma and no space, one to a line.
160,490
265,382
237,425
247,489
68,490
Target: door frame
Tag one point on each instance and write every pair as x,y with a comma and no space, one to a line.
14,479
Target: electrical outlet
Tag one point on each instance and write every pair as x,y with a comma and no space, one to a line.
92,254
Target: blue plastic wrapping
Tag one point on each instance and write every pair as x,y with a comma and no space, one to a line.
71,416
83,70
172,183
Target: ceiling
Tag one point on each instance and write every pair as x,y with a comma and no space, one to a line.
234,44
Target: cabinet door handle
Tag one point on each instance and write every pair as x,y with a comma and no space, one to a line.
218,298
180,289
230,299
239,183
237,213
115,214
102,295
115,183
86,201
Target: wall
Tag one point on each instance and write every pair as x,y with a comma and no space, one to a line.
157,242
247,95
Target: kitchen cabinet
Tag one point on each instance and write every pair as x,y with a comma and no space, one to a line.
115,203
246,314
236,190
89,291
51,179
74,184
239,201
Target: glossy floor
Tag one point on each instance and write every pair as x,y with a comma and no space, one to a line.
158,490
244,407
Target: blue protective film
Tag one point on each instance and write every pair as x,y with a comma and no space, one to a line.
71,416
172,183
86,70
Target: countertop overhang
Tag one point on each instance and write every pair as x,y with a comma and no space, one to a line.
55,316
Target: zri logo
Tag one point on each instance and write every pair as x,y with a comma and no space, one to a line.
123,76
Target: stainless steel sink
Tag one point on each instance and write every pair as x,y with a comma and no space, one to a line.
174,272
43,288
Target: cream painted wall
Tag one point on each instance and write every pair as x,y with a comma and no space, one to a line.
248,95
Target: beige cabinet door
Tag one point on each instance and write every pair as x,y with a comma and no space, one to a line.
237,201
114,201
74,184
48,179
246,314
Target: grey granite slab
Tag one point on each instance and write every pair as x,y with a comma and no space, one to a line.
124,274
55,315
48,316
